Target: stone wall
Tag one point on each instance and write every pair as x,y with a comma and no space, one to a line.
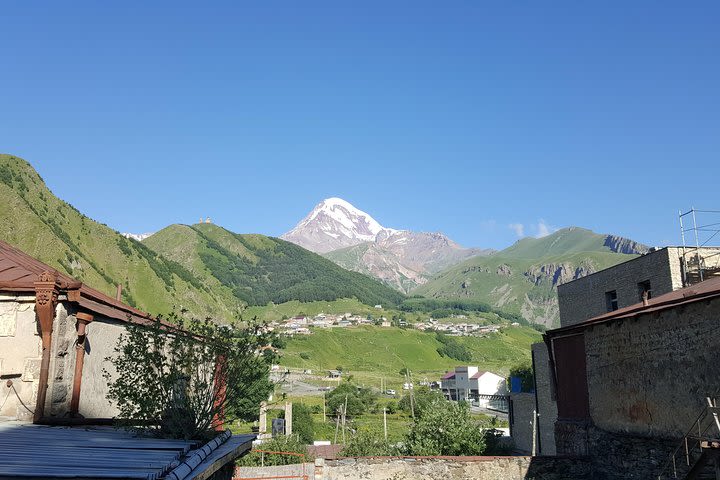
62,362
650,375
647,379
454,468
547,406
20,354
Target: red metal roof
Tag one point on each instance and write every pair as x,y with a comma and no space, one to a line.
19,272
448,376
479,374
694,293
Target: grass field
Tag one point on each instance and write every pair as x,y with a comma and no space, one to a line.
373,353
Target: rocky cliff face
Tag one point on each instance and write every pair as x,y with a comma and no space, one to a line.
625,245
404,259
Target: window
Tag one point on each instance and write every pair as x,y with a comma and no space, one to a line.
643,288
611,301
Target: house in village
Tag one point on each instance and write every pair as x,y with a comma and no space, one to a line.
627,383
472,384
55,335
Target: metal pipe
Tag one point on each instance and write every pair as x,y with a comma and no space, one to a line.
83,319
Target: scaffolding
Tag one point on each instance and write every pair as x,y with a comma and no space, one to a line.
699,261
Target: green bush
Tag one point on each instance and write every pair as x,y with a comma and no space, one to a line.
368,444
167,371
303,424
277,444
359,399
445,428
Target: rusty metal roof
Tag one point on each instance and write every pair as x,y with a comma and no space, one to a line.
694,293
19,272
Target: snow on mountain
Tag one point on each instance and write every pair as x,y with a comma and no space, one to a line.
137,236
356,241
333,224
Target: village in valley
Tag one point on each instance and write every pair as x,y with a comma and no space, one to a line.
304,325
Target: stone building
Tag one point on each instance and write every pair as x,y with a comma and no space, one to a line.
655,273
55,333
630,383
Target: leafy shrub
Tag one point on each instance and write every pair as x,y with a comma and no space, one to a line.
368,444
359,399
167,372
277,444
303,424
445,428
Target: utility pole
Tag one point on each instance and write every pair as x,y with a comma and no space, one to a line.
412,399
344,418
324,402
385,422
534,433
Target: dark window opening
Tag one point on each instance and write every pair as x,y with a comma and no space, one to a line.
611,301
644,289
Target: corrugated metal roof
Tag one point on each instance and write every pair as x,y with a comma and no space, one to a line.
35,451
694,293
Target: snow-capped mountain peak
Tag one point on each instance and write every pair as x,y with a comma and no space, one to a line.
335,223
137,236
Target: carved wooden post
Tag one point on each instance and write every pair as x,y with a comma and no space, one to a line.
83,319
46,293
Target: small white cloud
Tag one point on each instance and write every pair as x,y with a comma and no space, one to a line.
518,228
543,229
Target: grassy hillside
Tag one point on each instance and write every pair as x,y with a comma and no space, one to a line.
34,220
524,277
371,353
259,269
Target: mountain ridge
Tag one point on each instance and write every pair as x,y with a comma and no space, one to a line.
523,278
354,240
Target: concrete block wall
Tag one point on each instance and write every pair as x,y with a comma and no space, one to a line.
521,428
584,298
547,406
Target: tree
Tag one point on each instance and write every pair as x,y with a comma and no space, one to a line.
422,398
359,399
302,423
524,372
445,428
183,375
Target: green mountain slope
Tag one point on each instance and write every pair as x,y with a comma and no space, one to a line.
374,352
524,277
42,225
260,269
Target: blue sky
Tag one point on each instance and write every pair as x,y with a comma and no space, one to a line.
479,119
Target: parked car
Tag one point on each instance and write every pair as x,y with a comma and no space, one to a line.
390,391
